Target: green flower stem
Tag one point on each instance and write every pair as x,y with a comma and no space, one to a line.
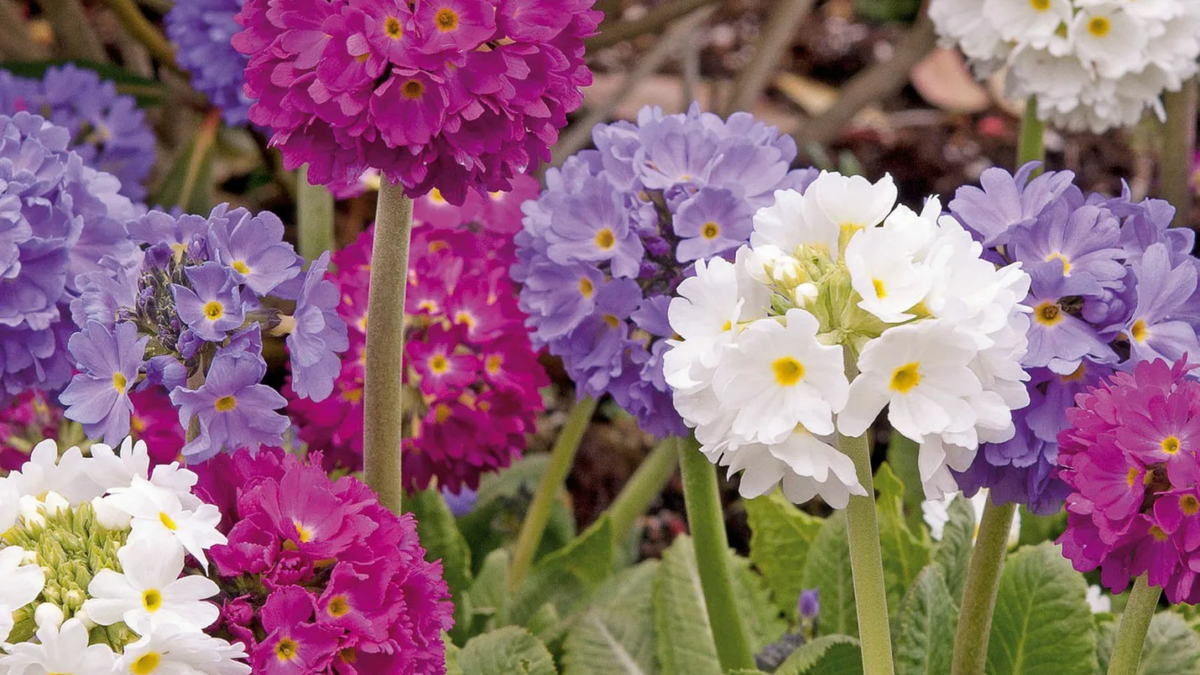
866,558
562,457
385,345
1031,147
314,216
979,596
1178,144
707,522
643,487
1135,621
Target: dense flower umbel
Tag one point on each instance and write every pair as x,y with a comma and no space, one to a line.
194,300
319,577
107,129
1112,286
57,218
936,331
471,376
1130,459
1093,64
447,94
34,416
202,31
618,228
92,553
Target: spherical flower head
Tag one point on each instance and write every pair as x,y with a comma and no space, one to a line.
471,376
203,32
618,228
457,95
1111,286
1092,64
338,582
57,218
1129,457
106,129
837,281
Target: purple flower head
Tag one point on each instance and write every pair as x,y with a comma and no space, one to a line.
109,362
212,306
233,409
1129,457
1112,286
319,336
55,214
457,95
616,230
462,502
106,129
202,31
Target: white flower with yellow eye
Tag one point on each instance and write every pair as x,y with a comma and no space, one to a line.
803,465
170,651
59,650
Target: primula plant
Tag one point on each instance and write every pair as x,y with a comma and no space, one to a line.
595,337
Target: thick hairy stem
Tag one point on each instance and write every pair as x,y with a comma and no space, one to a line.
1179,144
1135,621
644,486
314,216
979,596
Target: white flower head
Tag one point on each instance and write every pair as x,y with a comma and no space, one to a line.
150,593
171,651
47,472
62,649
803,465
21,584
157,512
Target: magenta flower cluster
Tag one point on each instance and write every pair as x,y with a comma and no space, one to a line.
319,577
446,94
471,376
1131,457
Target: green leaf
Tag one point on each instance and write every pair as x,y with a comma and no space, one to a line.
616,634
764,621
508,651
1035,529
189,183
567,576
827,655
904,554
780,538
1042,624
1171,648
685,643
440,536
487,599
828,570
925,625
953,554
902,454
452,667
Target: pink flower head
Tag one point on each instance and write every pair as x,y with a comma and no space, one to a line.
457,95
471,375
1131,457
322,578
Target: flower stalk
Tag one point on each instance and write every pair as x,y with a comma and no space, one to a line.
1178,146
644,486
314,216
385,345
983,583
1131,634
562,457
866,557
707,522
1031,147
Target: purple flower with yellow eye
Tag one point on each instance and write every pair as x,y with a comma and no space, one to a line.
712,222
98,396
318,335
212,306
253,248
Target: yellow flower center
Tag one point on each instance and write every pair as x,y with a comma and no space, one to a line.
726,326
441,413
906,377
880,290
338,606
1058,256
788,371
1139,331
435,196
1158,533
1048,313
446,19
241,267
1170,444
167,521
605,239
286,649
1075,376
393,28
493,363
612,321
225,403
1132,476
439,364
145,664
349,655
303,533
413,90
465,319
119,382
353,395
586,287
152,600
213,310
1099,26
710,230
1189,505
1040,5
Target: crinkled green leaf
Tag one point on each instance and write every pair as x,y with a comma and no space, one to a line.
487,599
567,576
953,553
828,570
781,536
905,553
1171,648
1042,624
764,621
685,642
508,651
440,536
827,655
615,636
451,656
925,625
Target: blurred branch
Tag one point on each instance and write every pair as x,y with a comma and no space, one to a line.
160,6
669,44
691,68
776,39
15,42
876,83
1178,146
73,30
136,24
654,21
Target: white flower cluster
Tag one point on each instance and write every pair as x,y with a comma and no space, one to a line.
936,331
92,557
1093,64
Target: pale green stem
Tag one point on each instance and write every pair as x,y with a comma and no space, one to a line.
562,457
382,431
1178,147
707,522
1131,634
314,216
643,487
866,558
1031,147
979,595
